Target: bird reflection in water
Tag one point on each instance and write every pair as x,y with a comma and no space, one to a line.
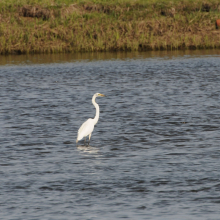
88,149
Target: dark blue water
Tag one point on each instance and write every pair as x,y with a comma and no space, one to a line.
154,154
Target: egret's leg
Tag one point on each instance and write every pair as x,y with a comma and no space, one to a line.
89,138
85,140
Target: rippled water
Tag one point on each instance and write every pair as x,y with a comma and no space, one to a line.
154,154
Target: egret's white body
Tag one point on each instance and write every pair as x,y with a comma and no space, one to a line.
88,126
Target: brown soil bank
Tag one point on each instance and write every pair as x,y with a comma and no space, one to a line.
39,26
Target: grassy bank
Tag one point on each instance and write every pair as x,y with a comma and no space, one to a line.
46,26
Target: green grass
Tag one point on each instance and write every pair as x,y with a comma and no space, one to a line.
102,25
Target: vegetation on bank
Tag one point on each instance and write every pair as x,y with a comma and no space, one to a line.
50,26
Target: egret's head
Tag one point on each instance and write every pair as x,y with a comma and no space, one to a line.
99,95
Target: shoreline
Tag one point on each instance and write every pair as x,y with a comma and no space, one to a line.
99,26
32,59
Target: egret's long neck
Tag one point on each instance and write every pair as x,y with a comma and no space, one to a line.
97,110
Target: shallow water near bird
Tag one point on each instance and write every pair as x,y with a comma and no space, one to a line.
154,153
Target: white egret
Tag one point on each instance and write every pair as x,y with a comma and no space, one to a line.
88,126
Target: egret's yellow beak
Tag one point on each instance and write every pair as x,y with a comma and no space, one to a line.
101,95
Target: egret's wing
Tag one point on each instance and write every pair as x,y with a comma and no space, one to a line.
85,129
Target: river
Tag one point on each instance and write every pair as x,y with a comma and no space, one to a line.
154,153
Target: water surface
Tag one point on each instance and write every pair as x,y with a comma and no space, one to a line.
154,153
